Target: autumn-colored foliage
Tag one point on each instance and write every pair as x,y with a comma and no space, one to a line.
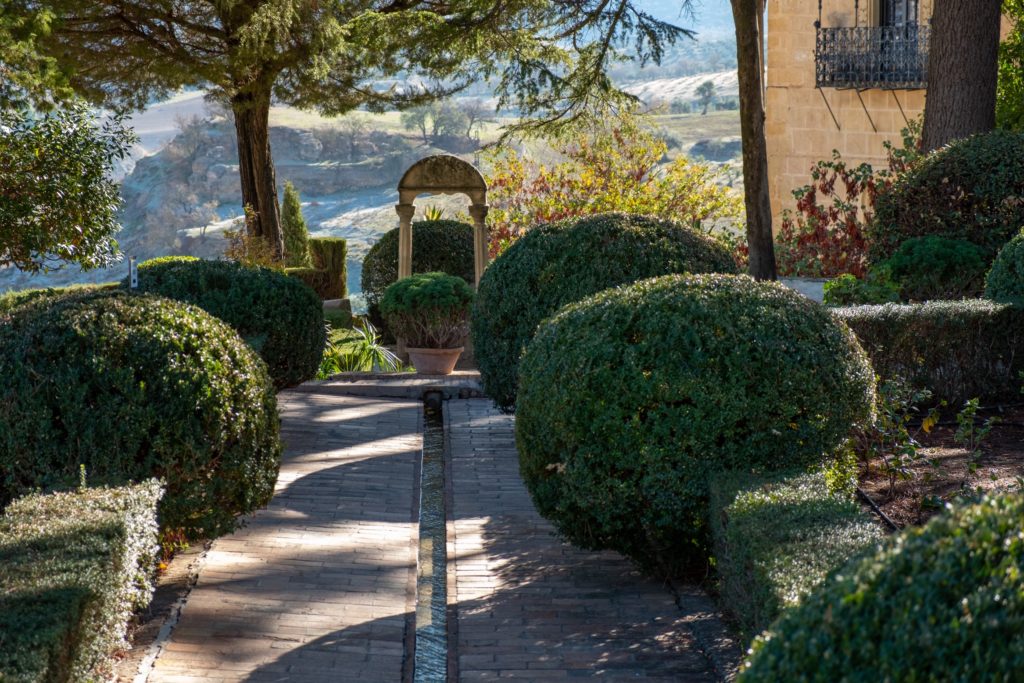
825,235
621,166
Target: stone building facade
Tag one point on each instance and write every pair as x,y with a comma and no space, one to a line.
850,86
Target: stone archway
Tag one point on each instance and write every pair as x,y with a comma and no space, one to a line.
442,174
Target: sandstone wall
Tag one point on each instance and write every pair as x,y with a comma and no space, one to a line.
800,128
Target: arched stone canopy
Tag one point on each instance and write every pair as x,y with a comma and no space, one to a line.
442,174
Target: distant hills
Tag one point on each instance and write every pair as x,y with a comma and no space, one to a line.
180,196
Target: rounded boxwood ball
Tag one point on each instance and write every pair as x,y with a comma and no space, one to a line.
968,190
1005,282
279,316
630,398
941,602
557,264
133,387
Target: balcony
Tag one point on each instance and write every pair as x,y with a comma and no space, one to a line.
867,57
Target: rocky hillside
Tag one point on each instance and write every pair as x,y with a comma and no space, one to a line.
182,198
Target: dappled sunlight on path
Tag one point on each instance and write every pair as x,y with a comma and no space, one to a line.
531,606
319,585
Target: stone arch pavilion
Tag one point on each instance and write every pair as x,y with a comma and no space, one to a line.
442,174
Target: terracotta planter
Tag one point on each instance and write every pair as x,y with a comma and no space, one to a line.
434,361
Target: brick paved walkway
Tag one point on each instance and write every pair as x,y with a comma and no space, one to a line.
533,608
319,586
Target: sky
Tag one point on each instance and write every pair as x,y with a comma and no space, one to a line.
713,17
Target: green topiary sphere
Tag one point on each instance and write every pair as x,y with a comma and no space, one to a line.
429,310
969,190
937,603
279,316
938,268
132,387
443,246
629,399
1005,282
554,265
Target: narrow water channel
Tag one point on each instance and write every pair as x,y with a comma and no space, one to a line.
431,658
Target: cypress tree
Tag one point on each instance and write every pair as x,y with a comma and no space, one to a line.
296,235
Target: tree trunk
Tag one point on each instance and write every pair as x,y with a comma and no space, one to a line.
755,148
256,167
962,67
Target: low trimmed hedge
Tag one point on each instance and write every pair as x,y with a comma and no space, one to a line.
941,602
631,399
957,350
74,567
775,538
561,263
278,316
136,386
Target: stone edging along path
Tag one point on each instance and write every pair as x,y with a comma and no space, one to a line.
322,585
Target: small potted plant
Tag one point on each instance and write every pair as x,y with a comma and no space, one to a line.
430,311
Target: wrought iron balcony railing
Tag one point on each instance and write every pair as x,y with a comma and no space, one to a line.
865,57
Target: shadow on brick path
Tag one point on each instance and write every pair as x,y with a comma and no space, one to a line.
535,608
332,553
320,585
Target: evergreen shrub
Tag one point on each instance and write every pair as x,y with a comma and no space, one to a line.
971,190
957,350
941,602
629,400
429,310
558,264
443,246
282,319
1005,282
776,537
74,568
132,387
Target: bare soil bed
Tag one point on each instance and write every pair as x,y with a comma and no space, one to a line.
945,470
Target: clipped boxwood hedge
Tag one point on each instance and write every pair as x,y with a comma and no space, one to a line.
630,399
1005,282
132,387
777,537
280,317
443,246
554,265
330,255
969,190
938,603
73,569
328,275
958,350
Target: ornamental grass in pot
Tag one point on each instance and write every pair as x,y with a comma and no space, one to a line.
430,311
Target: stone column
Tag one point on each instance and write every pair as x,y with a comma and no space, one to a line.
481,246
405,214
